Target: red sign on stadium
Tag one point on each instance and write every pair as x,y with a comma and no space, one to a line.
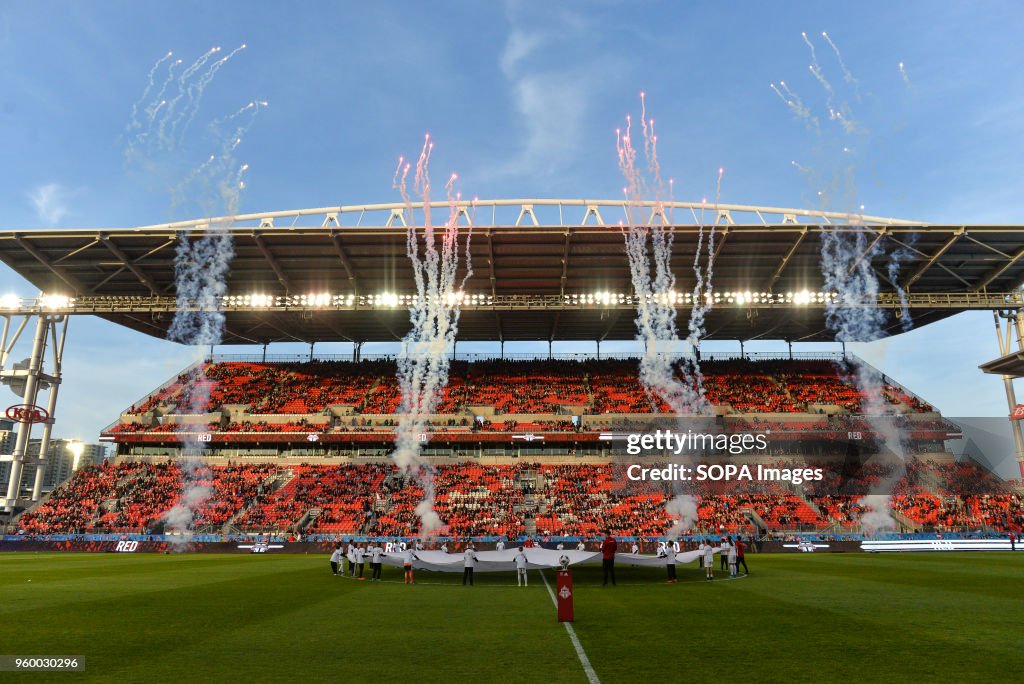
27,413
1018,412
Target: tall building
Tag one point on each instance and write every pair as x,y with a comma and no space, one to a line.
7,437
64,457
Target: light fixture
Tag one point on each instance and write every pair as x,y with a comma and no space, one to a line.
53,302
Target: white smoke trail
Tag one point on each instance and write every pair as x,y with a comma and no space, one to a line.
847,75
840,112
903,74
896,259
682,509
847,256
159,100
855,317
816,68
202,260
186,92
180,518
649,247
877,514
797,106
198,88
434,311
133,120
649,244
166,117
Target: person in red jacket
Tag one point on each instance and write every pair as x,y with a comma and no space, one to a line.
740,560
608,548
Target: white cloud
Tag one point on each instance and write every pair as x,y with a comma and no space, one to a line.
550,97
552,107
518,47
51,201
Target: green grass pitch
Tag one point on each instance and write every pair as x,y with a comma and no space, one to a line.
799,617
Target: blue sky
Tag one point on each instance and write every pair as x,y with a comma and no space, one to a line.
522,99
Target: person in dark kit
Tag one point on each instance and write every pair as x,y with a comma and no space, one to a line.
740,560
608,548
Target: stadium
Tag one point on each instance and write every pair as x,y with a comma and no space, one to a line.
294,455
741,424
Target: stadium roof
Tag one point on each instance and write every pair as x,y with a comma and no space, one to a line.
542,270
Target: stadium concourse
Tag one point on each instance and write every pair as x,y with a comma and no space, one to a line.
300,449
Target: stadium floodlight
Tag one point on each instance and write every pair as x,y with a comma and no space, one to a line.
386,299
55,302
10,301
318,299
255,301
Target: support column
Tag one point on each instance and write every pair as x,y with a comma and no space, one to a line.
28,397
264,359
1015,323
51,406
790,343
599,350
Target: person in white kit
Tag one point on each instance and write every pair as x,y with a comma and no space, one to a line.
726,543
407,555
335,559
561,546
732,558
360,554
444,547
468,564
350,556
709,561
634,549
669,552
500,546
520,560
376,562
581,546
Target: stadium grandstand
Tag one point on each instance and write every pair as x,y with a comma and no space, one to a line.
520,447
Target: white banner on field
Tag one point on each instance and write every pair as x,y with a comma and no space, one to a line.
504,561
939,545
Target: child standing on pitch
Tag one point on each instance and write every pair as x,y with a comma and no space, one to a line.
732,558
709,561
520,560
407,557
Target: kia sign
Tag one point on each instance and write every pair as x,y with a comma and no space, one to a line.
27,413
